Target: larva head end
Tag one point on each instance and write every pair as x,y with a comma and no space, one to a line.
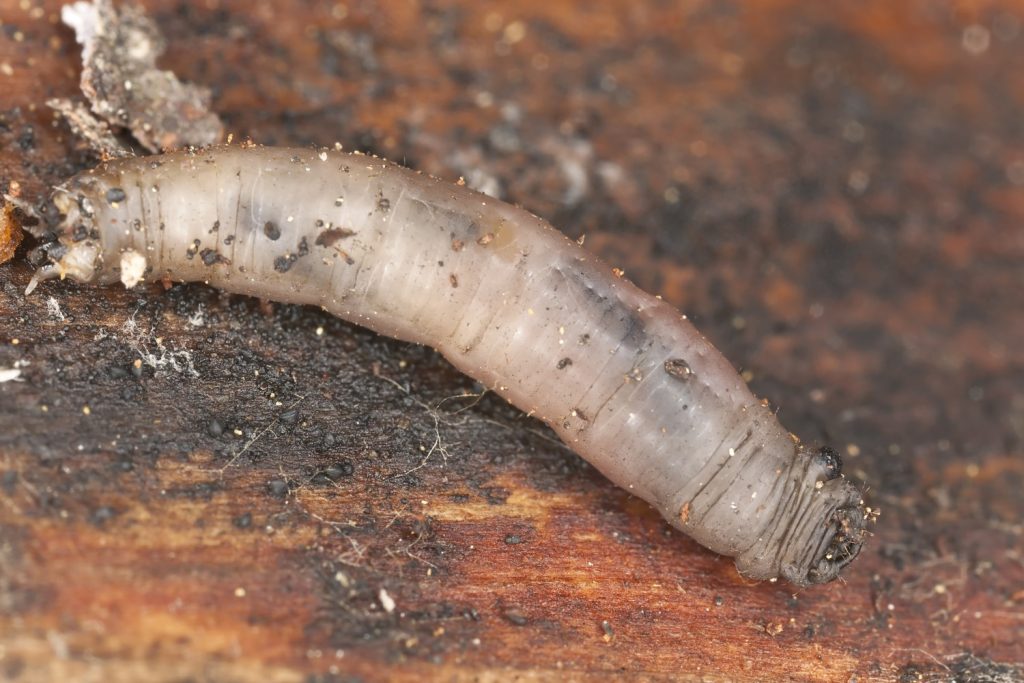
76,251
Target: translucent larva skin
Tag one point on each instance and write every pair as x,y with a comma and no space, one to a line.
620,375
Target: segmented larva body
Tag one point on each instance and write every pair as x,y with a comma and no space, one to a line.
620,375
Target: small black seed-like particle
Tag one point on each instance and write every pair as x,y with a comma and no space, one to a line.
211,256
271,230
229,239
564,363
303,247
384,204
116,195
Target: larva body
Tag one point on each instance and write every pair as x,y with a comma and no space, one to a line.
620,375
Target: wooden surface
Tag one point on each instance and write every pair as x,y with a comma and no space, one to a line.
202,487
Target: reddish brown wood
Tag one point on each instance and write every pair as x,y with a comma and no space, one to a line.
834,191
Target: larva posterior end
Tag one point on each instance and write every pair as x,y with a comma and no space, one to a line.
849,523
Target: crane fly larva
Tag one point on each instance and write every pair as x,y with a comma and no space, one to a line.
622,377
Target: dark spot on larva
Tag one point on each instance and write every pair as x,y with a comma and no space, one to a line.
211,256
85,206
271,230
155,164
79,233
584,339
564,363
192,250
440,264
383,204
344,254
457,245
453,278
328,237
215,227
831,460
296,160
338,201
136,225
678,368
486,239
283,264
581,415
229,239
161,226
318,223
116,195
303,248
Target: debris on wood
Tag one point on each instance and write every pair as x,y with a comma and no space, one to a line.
126,89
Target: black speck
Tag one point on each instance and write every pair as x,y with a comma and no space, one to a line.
278,488
211,256
27,138
832,461
564,363
335,472
384,204
215,227
229,239
271,230
512,539
215,428
584,339
303,248
243,521
116,195
283,264
719,601
192,250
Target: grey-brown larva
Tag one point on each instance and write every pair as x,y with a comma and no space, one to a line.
621,376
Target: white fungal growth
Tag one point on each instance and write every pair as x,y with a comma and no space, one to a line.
618,374
133,268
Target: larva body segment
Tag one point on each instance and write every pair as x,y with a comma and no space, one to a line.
620,375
